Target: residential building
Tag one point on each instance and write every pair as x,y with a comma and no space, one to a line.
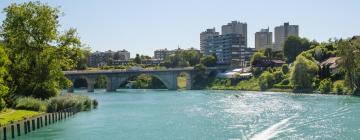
207,35
235,27
230,47
161,54
284,31
227,48
106,58
263,39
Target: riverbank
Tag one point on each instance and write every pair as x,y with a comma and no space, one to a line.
11,115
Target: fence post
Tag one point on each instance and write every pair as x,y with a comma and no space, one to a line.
18,129
28,126
33,124
25,127
12,131
38,123
41,121
4,131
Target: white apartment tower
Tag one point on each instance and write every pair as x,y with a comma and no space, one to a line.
235,27
284,31
263,39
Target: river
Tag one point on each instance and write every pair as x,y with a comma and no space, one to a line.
209,115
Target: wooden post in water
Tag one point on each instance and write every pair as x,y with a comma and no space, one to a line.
12,131
33,124
46,120
4,131
28,126
18,129
41,121
25,127
38,123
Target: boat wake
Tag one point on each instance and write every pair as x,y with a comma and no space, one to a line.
272,131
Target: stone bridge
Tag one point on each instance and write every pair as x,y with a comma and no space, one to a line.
115,78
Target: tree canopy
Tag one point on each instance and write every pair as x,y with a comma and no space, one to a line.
293,46
38,52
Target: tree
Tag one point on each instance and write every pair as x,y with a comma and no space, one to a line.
4,89
303,73
293,46
256,57
349,51
137,59
208,61
191,56
266,80
37,52
325,86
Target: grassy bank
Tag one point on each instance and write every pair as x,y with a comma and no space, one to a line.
10,115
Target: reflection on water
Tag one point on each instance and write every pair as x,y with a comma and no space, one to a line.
162,114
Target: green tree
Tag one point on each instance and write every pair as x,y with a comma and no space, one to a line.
303,73
208,61
325,86
349,51
293,46
4,89
36,50
266,80
137,59
285,68
257,57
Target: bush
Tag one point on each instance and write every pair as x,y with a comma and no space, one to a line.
278,76
80,102
29,103
95,103
339,87
325,86
285,68
266,80
285,82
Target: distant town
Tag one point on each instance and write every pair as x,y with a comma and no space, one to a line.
230,47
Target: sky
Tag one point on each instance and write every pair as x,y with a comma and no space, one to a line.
142,26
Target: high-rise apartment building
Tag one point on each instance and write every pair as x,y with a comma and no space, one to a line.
235,27
284,31
205,36
263,39
230,47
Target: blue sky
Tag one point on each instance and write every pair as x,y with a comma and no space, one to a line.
141,26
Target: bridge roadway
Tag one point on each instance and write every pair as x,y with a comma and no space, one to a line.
115,78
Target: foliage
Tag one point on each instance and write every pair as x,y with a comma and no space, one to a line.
266,80
208,61
37,52
293,46
278,76
338,87
285,68
144,81
4,89
325,86
349,51
137,59
302,73
29,103
257,57
59,103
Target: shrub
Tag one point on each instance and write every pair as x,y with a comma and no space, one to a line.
278,76
285,68
29,103
325,86
266,80
80,102
339,87
285,82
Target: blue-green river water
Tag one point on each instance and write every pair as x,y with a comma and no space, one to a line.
209,115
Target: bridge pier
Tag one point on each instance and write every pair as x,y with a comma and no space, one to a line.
189,81
90,85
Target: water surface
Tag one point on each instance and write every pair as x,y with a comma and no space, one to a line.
209,115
